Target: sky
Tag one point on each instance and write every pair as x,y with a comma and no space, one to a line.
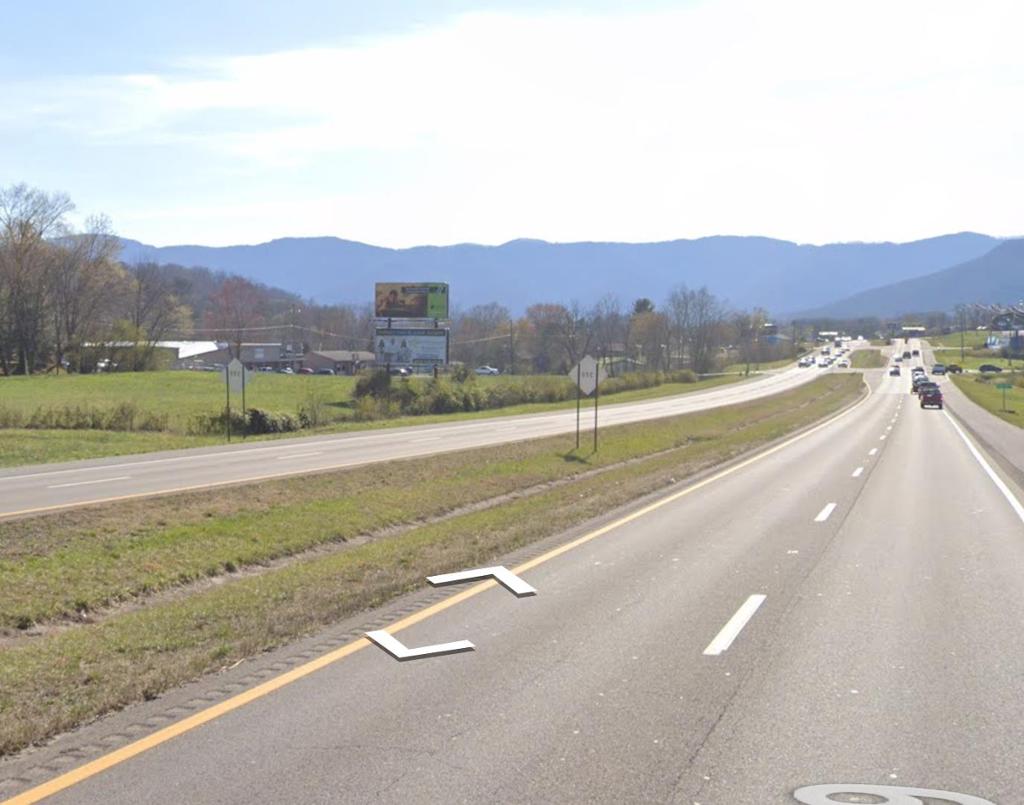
406,123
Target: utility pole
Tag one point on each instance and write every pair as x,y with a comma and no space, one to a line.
963,326
511,348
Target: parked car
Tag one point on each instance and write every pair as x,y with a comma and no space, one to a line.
305,370
286,371
954,369
325,371
938,369
931,397
401,371
487,370
989,367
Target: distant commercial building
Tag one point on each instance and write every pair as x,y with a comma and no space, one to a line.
274,355
339,361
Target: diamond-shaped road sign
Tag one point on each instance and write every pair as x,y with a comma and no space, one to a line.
587,373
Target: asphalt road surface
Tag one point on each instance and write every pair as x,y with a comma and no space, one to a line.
846,610
31,489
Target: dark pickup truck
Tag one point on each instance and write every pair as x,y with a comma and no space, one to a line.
931,397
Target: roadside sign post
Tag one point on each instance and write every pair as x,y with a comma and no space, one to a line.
236,378
587,374
579,371
1005,387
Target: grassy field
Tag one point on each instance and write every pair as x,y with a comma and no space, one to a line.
191,393
867,359
294,555
973,339
972,362
985,394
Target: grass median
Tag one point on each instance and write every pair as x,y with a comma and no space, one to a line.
117,605
867,359
984,391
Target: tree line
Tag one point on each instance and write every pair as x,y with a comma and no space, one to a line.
691,329
67,301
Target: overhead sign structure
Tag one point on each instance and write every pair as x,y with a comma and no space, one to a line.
411,347
411,300
588,375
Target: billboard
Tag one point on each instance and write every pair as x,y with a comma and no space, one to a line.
411,347
411,300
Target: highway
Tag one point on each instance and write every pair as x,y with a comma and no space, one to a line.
32,489
840,614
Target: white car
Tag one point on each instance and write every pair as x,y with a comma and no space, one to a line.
843,364
487,370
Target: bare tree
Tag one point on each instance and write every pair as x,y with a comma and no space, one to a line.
680,314
609,326
237,306
706,329
481,335
153,310
85,281
28,218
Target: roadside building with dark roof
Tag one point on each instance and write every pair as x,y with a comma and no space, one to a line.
340,361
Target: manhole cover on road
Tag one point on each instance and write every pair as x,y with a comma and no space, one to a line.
834,793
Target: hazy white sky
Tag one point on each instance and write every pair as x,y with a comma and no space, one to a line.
809,120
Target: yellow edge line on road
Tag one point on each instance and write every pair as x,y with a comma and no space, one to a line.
111,759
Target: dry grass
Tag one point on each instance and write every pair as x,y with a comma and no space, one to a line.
54,681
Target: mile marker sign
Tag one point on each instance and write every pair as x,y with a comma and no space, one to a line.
587,374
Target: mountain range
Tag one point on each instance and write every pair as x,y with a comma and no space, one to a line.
995,277
781,276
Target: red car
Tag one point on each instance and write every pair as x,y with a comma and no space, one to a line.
931,397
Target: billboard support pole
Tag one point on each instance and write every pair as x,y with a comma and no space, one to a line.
227,398
243,397
578,396
597,388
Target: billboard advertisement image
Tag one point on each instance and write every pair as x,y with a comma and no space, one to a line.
411,300
411,347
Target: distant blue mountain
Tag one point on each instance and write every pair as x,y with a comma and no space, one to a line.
747,271
996,277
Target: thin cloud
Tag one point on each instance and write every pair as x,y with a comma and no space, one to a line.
811,120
